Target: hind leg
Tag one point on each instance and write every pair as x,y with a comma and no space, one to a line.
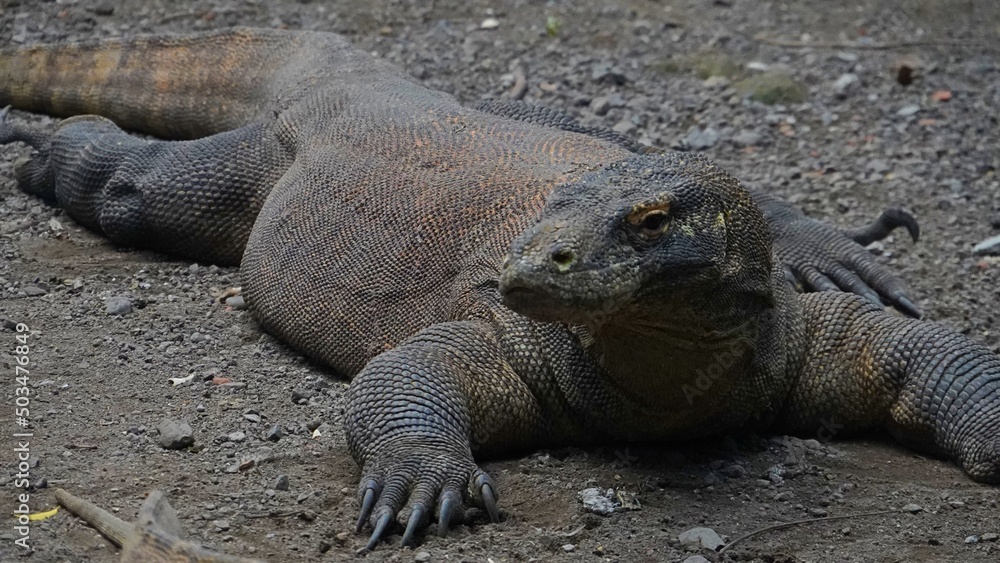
197,199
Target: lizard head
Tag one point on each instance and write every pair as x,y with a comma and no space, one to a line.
654,236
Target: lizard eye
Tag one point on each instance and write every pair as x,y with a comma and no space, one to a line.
650,223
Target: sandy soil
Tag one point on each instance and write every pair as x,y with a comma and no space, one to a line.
101,386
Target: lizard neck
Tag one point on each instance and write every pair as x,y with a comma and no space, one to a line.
687,367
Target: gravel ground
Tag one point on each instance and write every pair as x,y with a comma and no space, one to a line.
844,139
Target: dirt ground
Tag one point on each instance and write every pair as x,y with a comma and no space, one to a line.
668,72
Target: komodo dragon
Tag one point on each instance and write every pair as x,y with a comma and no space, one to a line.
492,280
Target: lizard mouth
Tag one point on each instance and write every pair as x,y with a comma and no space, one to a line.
521,298
545,304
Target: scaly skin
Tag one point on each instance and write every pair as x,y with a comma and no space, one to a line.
492,280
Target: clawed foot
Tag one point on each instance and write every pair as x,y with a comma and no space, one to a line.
412,490
820,258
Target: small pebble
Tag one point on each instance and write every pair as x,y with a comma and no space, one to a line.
34,291
281,483
912,508
422,556
569,548
274,434
988,246
174,435
701,537
594,500
118,306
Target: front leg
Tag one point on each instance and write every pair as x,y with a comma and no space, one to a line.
818,257
416,414
930,387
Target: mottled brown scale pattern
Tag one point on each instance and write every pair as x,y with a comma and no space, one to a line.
492,279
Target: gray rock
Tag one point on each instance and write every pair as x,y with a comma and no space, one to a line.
118,306
600,105
197,337
701,538
104,9
990,246
596,501
605,73
625,127
236,436
696,559
280,483
912,508
845,84
847,57
907,111
734,471
700,139
972,539
174,435
222,525
422,557
747,138
274,434
569,548
236,302
34,291
989,536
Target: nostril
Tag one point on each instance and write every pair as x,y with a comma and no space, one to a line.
562,257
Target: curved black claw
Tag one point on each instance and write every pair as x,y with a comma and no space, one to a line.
908,307
486,490
367,503
380,527
450,504
889,220
417,520
818,257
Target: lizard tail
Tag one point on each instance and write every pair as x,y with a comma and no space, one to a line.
172,87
